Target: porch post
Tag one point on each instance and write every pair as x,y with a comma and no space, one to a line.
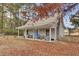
33,35
49,34
25,35
55,33
18,33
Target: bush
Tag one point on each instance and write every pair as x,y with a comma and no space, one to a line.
12,32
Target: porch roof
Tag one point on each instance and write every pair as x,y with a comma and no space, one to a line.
44,23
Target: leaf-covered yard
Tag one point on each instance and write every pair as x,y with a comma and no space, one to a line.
10,45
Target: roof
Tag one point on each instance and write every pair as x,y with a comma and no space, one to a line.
44,23
44,20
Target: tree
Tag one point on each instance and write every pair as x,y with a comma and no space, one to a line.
2,15
75,22
45,8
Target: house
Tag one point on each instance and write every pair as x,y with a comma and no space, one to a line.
50,28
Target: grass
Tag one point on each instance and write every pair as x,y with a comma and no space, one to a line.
11,45
71,38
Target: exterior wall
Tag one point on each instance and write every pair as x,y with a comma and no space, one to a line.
30,34
42,33
52,33
33,34
38,34
60,30
60,27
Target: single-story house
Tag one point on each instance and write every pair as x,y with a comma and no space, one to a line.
49,29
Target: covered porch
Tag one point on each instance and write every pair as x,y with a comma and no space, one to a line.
48,29
45,32
48,34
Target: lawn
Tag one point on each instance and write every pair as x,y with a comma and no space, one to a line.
11,45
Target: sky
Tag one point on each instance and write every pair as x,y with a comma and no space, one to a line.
67,22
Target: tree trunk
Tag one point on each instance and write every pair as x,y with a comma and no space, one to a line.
2,19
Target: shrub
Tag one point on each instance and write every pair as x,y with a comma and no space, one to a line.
12,32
